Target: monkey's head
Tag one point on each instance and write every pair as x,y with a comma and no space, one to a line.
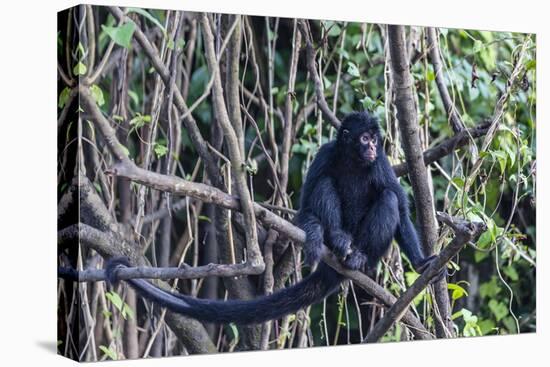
360,138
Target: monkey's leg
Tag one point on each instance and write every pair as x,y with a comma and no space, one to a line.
376,231
313,246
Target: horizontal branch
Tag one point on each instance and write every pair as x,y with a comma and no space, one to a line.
205,193
446,147
186,272
464,233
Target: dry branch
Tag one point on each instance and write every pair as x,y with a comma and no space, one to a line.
448,103
464,233
314,74
445,148
233,146
185,272
409,127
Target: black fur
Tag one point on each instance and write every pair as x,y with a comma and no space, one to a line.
346,196
351,201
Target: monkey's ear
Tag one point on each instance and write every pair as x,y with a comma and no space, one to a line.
345,132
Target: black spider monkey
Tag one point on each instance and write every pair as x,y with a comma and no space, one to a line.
351,201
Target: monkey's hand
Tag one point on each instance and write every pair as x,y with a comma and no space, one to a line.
423,264
340,243
356,260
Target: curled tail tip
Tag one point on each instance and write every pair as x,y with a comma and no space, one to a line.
112,267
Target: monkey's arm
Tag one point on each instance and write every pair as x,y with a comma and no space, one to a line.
321,218
407,238
406,234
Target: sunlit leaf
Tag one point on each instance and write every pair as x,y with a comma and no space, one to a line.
121,35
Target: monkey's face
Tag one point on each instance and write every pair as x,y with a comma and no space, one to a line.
359,139
368,146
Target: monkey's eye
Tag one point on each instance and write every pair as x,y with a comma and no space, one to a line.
364,139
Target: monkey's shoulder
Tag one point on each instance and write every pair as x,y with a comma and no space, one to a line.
324,161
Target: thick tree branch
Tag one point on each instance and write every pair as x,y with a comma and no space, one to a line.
186,272
445,148
409,127
464,233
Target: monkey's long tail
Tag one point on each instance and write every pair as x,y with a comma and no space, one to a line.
312,289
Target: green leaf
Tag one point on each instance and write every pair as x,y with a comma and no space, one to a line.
80,69
97,93
411,277
430,76
160,150
251,166
235,332
139,120
478,46
485,240
147,15
205,218
458,181
486,326
501,157
115,299
121,35
63,97
489,289
511,272
458,291
479,256
170,44
335,30
510,324
107,314
353,70
127,312
134,96
108,352
80,49
498,309
180,43
468,316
